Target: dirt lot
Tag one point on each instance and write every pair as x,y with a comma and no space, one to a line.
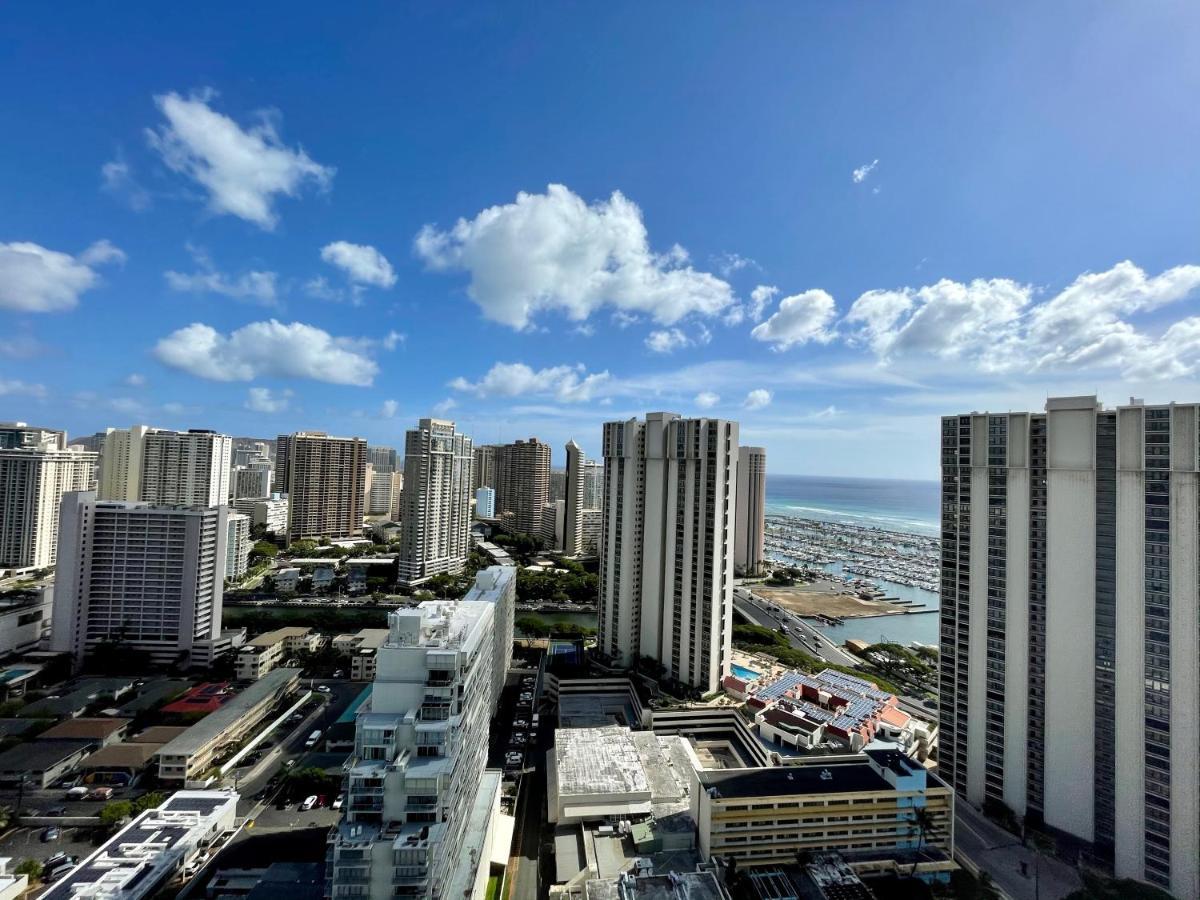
804,601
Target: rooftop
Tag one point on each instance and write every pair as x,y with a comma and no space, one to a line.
597,761
271,638
38,756
212,726
84,728
786,781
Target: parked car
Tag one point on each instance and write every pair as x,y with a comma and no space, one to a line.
56,811
309,802
323,688
77,793
289,763
322,800
338,801
52,833
339,674
57,866
100,793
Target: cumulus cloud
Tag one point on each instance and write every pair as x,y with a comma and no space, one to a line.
14,388
706,399
389,409
730,263
440,409
258,287
997,325
263,400
554,251
243,170
667,340
270,349
757,399
362,263
568,384
34,279
862,173
800,319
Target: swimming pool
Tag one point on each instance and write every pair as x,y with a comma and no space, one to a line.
742,672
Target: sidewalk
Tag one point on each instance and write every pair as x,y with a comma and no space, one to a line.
1000,854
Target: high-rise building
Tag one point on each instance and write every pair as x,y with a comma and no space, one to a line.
246,453
666,569
484,472
237,546
1070,687
573,501
36,469
152,465
269,512
485,503
253,480
383,493
149,577
523,483
558,486
591,527
593,484
419,802
551,531
751,509
435,505
325,481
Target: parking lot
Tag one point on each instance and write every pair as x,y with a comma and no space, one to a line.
26,843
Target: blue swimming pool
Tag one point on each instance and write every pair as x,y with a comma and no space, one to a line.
742,672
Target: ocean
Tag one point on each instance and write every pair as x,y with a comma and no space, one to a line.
911,506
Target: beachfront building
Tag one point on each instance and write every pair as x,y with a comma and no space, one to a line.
435,506
36,470
419,804
325,479
666,572
1070,688
751,510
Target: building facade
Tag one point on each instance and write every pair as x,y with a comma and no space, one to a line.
36,470
237,546
666,567
435,518
411,825
484,471
573,500
1070,626
149,577
485,503
270,513
254,480
751,509
325,479
153,465
523,483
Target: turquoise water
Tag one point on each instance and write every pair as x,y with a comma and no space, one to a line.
743,673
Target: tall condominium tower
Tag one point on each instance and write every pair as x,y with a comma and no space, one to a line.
435,504
149,577
36,469
523,483
484,473
593,484
1070,626
325,479
152,465
574,494
418,800
253,480
385,481
751,506
666,567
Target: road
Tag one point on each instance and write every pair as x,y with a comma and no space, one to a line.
1000,854
763,612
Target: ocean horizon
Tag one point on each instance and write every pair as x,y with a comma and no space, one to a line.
895,504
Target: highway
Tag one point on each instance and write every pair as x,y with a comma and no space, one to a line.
801,635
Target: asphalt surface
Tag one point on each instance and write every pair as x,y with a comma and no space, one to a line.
802,636
1000,854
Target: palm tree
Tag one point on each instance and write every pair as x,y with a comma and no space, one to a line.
922,823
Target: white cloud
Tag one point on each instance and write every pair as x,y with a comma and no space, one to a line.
21,346
568,384
393,339
757,399
666,341
997,325
263,400
861,174
440,409
267,349
729,263
116,178
706,399
135,379
34,279
554,251
258,287
389,409
760,298
362,263
242,169
13,388
800,318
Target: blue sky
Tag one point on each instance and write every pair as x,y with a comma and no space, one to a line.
832,222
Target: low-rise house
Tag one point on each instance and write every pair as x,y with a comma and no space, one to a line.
259,656
41,763
100,731
287,580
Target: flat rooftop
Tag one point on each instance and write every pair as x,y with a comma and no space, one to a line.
598,761
212,726
784,781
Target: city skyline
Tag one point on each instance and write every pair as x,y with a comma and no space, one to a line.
278,254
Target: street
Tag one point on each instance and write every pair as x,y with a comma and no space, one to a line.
763,612
1000,854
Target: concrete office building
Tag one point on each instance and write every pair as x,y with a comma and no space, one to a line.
751,509
419,808
484,471
1070,681
237,546
666,570
485,503
150,577
36,470
435,517
253,480
523,483
153,465
325,479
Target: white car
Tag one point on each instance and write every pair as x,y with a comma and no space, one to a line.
309,802
323,688
337,803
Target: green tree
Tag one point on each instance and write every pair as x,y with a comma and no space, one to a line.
264,549
116,812
148,801
30,867
922,823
